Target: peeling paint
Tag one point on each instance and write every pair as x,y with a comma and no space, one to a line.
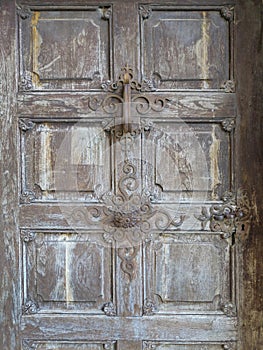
69,294
202,50
36,43
214,170
45,158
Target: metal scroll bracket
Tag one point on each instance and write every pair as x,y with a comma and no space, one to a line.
134,99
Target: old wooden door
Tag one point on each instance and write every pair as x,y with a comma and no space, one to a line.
124,120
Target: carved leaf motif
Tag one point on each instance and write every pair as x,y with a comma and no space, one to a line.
228,124
30,307
147,345
229,309
109,309
228,86
23,12
27,235
149,307
145,11
106,12
230,346
25,124
26,82
29,196
227,13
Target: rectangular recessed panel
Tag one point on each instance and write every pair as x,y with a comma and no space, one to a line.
65,49
190,272
64,160
188,161
66,271
171,346
185,49
67,345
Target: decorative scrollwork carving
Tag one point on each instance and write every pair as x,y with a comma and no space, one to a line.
109,309
29,196
230,346
28,345
130,209
148,345
145,11
94,103
25,124
26,82
149,307
229,86
128,263
23,12
27,235
223,217
127,73
127,217
227,12
229,309
30,307
228,124
106,12
143,104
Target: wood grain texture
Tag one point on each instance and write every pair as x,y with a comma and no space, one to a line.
65,49
9,285
178,49
183,105
197,327
249,162
64,270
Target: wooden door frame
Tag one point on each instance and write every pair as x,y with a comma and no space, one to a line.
249,160
248,58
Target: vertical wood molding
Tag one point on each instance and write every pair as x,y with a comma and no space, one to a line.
249,162
9,288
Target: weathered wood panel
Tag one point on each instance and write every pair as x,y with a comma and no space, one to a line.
67,345
187,105
178,47
188,272
91,216
209,113
188,161
9,277
63,48
171,346
249,68
63,160
66,271
197,327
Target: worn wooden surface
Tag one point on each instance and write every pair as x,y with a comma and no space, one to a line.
249,58
94,273
9,287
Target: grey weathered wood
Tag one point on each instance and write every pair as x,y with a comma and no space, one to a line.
184,105
9,287
249,169
83,285
197,327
